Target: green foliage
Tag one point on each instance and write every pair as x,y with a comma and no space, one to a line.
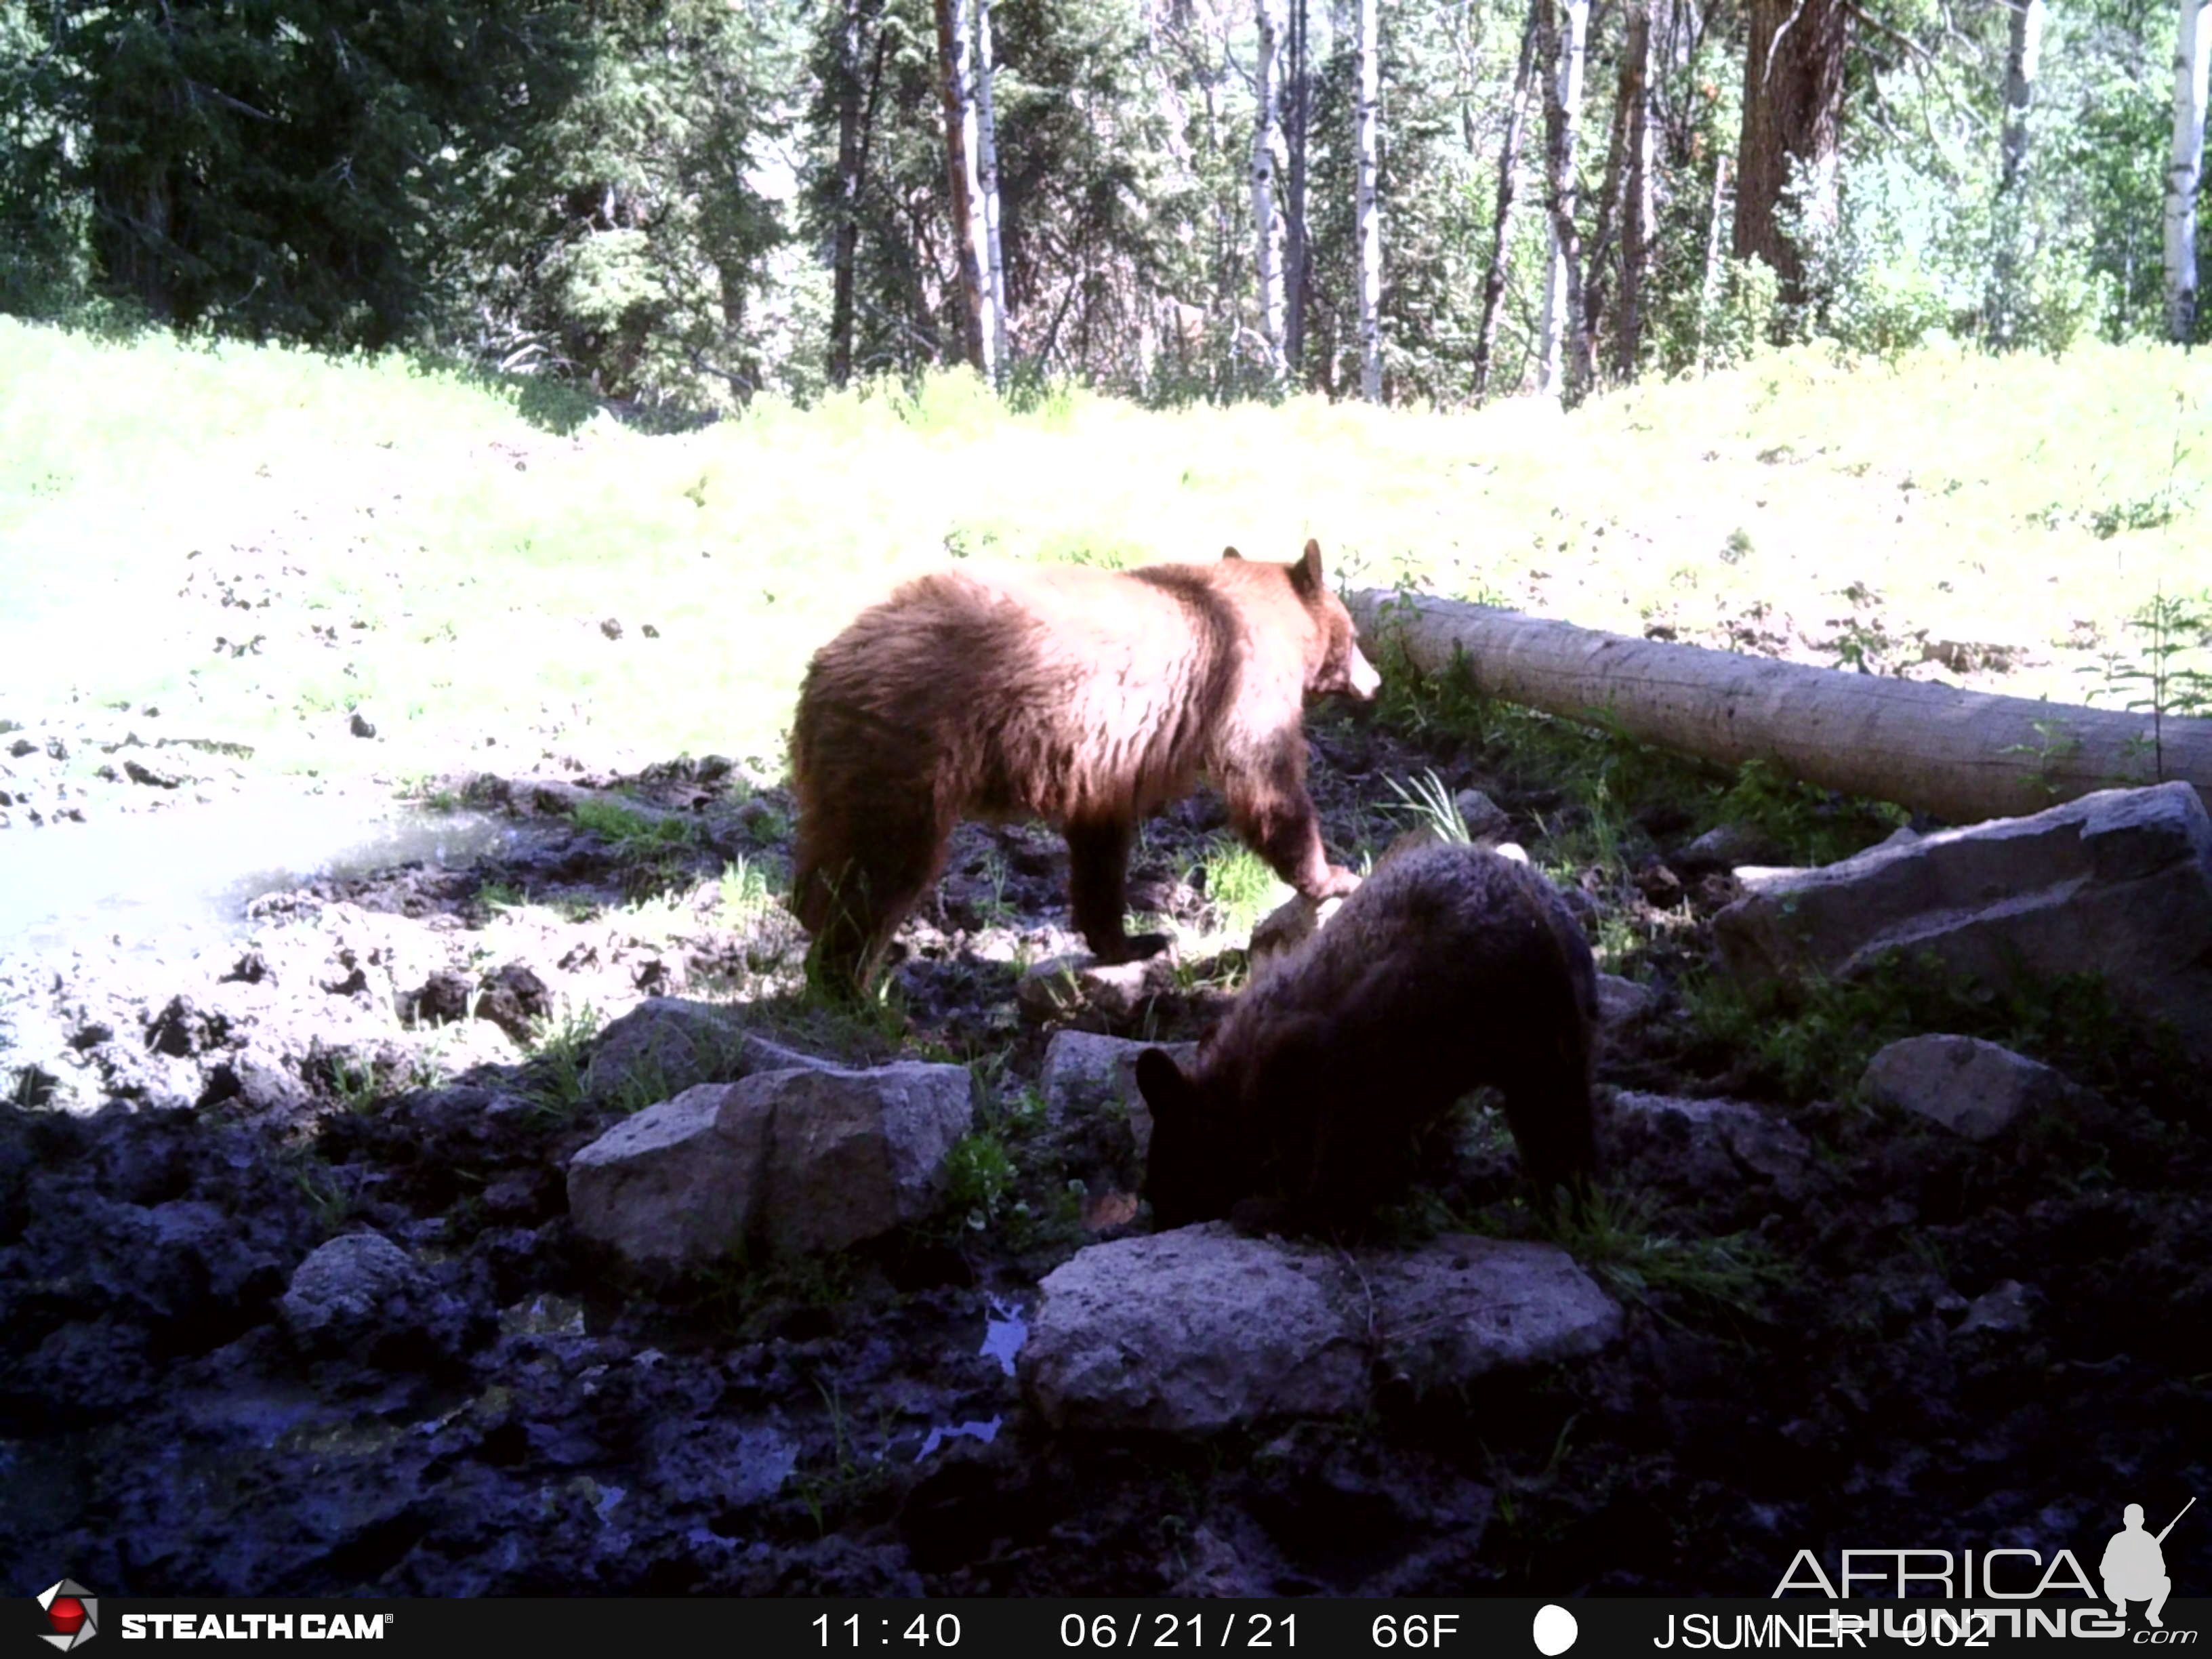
1238,883
980,1177
1428,802
628,243
1813,825
298,172
554,1078
1615,1238
745,892
2165,680
1812,1041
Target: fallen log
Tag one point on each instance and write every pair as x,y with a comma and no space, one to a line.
1962,756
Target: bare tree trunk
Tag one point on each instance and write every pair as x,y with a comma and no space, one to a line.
1565,55
1296,90
2185,175
1638,211
2022,51
2023,55
1370,213
987,134
1962,755
1263,194
961,183
1709,290
1598,256
1793,112
856,109
1509,173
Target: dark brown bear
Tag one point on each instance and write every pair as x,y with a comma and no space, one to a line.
1087,697
1451,968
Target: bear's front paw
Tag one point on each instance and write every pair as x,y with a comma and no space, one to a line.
1341,882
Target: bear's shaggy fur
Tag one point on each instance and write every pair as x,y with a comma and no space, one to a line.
1451,968
1084,696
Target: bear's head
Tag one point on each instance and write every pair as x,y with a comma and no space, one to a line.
1335,662
1195,1170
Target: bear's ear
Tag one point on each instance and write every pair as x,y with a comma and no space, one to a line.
1166,1089
1305,575
1231,553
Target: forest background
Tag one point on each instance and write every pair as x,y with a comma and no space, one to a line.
678,205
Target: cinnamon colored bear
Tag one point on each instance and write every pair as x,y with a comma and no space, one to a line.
1084,696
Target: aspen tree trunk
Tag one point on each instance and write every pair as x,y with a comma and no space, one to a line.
1963,755
2185,175
2023,49
856,110
1709,290
1370,213
987,134
1295,89
1557,376
2023,56
1508,175
961,183
1638,211
1263,194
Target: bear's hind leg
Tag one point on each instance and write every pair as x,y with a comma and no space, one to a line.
863,898
1099,868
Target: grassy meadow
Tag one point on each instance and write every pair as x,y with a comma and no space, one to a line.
260,541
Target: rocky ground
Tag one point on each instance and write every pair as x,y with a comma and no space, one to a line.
295,1302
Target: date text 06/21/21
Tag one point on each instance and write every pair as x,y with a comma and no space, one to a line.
1108,1631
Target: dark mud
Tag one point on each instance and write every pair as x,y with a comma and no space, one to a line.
1883,1337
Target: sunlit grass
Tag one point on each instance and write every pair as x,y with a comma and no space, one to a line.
440,564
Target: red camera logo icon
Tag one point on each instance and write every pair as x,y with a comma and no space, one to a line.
72,1614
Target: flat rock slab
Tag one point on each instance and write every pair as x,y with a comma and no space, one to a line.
1462,1305
1194,1330
806,1158
1191,1331
2119,884
1973,1088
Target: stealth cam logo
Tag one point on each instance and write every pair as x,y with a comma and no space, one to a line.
72,1614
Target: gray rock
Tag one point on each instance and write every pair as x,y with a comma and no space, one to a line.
1485,818
1623,1001
2007,1306
806,1158
678,1184
665,1045
1197,1329
1732,1137
1973,1088
853,1154
1063,987
1462,1306
1086,1075
2118,883
1725,847
1191,1331
349,1289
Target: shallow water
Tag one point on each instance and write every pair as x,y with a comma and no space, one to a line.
133,879
1005,1330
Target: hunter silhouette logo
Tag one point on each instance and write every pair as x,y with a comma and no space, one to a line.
2134,1567
72,1614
